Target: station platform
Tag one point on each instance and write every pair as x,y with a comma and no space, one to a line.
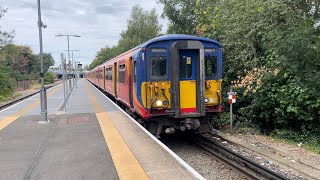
92,139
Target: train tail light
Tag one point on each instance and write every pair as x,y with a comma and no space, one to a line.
163,86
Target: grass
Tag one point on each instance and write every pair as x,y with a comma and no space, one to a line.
309,140
14,96
35,86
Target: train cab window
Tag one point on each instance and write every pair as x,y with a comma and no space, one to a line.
122,71
185,67
158,67
211,66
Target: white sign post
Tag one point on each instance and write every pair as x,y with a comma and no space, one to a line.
231,99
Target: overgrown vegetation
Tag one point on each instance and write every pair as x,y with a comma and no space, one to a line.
271,59
142,26
18,63
48,78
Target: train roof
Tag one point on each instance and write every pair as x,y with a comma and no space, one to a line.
168,37
177,37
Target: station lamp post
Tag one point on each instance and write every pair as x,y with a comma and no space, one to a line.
68,37
43,93
72,57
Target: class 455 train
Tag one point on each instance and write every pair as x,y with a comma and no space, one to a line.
169,83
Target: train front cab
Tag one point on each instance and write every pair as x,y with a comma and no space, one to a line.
184,84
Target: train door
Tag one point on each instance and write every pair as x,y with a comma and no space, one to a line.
188,81
130,70
115,80
187,77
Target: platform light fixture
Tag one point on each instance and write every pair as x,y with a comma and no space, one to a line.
68,38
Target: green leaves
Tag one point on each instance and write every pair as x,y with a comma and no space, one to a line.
271,54
181,14
22,63
6,85
142,26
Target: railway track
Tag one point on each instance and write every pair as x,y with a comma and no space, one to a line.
241,164
23,98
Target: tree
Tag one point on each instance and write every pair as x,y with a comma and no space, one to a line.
22,63
86,67
181,14
48,61
5,37
103,55
142,26
271,54
6,85
6,81
19,60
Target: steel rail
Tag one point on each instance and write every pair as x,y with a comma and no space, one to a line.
242,164
23,98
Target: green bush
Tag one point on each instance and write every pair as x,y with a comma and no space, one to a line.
282,103
7,86
48,78
223,121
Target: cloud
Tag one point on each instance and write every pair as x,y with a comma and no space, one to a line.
99,22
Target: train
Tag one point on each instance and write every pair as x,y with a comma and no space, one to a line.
169,83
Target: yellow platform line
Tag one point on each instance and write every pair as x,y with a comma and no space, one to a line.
4,122
126,164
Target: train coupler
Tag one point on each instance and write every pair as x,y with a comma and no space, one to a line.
189,124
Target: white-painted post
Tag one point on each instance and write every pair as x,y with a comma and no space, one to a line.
230,114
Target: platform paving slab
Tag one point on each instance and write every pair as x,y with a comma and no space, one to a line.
69,147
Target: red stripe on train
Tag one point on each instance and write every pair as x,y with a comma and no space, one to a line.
188,110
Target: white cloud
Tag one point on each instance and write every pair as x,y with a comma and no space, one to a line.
99,23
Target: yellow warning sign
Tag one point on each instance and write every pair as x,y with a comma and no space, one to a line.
188,60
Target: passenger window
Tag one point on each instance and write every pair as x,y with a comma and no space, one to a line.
158,67
211,66
110,73
122,71
185,67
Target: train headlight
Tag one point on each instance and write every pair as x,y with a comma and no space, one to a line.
211,100
159,103
206,100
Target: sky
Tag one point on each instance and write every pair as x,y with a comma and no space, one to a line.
98,22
